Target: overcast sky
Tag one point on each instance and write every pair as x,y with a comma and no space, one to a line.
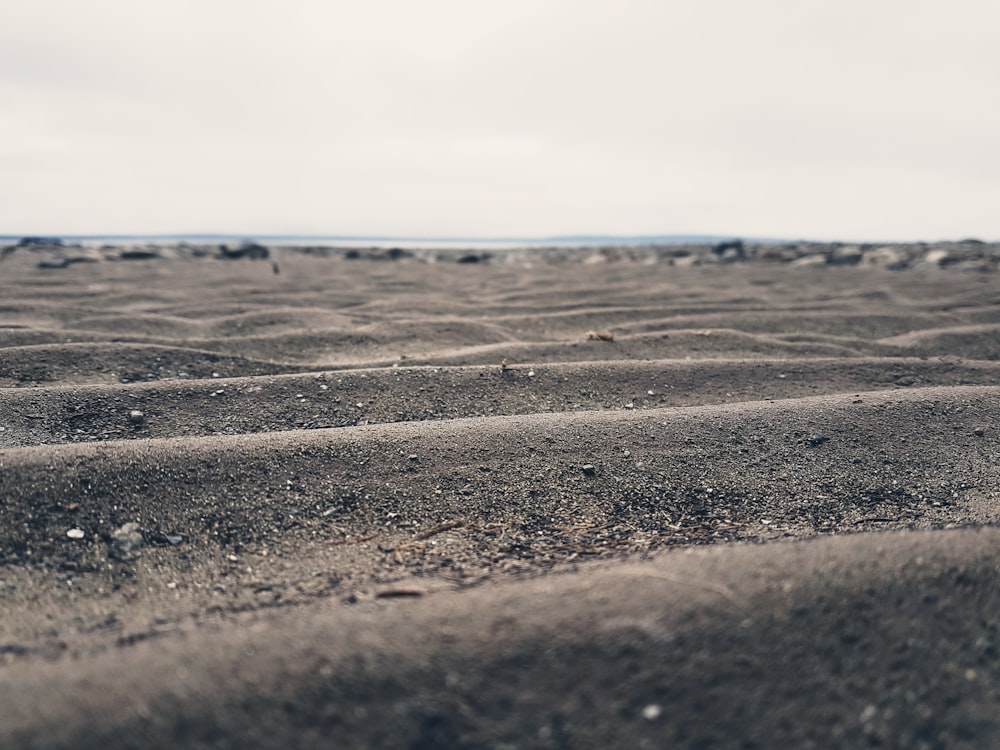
826,119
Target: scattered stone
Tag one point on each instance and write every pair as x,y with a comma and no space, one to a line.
938,257
75,534
848,255
815,440
249,250
54,263
810,260
125,542
33,242
890,258
651,712
136,417
139,253
589,469
731,251
393,253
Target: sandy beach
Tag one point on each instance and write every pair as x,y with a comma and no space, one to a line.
619,497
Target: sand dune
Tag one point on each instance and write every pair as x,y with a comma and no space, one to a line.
413,504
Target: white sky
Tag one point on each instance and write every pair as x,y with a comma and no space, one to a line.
838,119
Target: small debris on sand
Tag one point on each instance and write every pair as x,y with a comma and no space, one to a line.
125,542
600,336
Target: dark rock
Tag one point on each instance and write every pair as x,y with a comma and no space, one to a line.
14,649
395,253
730,250
249,250
139,253
846,255
589,469
54,263
39,242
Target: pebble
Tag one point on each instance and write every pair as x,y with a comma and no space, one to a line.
75,534
54,263
125,542
136,417
651,712
589,469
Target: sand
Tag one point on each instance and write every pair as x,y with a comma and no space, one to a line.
609,500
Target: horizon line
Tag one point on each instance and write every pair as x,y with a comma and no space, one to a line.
561,238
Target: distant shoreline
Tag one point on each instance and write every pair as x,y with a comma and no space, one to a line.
970,254
295,240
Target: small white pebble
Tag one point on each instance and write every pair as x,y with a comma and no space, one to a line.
75,534
323,387
531,373
232,558
651,712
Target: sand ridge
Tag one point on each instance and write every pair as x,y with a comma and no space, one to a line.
556,504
